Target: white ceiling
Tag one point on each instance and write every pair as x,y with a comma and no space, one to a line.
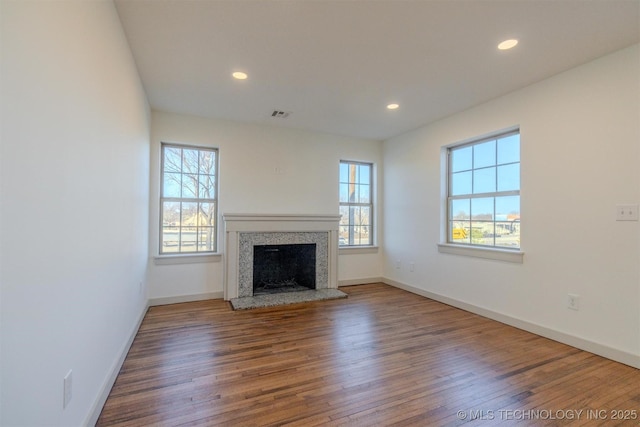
335,65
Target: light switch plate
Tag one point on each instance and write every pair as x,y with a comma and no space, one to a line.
627,213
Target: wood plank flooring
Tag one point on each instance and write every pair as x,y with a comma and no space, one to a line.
383,356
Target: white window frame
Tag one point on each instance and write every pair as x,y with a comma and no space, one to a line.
187,255
448,245
350,241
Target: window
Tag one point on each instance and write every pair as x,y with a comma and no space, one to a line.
484,192
356,204
188,199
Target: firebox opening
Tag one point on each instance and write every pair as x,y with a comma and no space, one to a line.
284,268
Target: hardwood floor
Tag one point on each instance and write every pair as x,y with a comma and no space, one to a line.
383,356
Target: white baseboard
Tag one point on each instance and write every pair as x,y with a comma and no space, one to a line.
96,409
365,281
581,343
185,298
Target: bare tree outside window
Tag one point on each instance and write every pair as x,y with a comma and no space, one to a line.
188,199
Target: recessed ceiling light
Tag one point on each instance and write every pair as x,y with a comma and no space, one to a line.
393,106
239,75
507,44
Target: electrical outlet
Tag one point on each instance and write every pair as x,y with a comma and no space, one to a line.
398,264
411,266
67,389
627,213
573,302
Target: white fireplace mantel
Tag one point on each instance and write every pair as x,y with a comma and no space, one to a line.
235,225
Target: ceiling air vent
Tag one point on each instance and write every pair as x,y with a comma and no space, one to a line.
280,114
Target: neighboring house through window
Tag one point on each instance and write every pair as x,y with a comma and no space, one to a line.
356,204
483,195
188,199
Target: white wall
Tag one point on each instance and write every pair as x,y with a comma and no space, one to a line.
306,183
74,206
580,137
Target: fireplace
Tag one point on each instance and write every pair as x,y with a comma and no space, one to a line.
284,268
245,232
249,241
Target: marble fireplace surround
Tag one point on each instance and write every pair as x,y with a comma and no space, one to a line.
243,231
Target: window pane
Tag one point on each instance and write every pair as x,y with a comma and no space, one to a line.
509,149
344,215
508,221
508,240
351,240
364,193
207,162
353,173
484,154
482,232
364,217
344,172
461,159
170,213
206,214
362,235
364,174
354,215
352,194
207,186
170,239
190,161
484,180
508,207
460,209
189,185
459,231
344,193
188,239
206,239
171,184
509,177
460,183
482,208
172,159
189,214
344,235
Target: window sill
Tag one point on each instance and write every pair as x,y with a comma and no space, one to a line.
343,250
505,255
186,258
